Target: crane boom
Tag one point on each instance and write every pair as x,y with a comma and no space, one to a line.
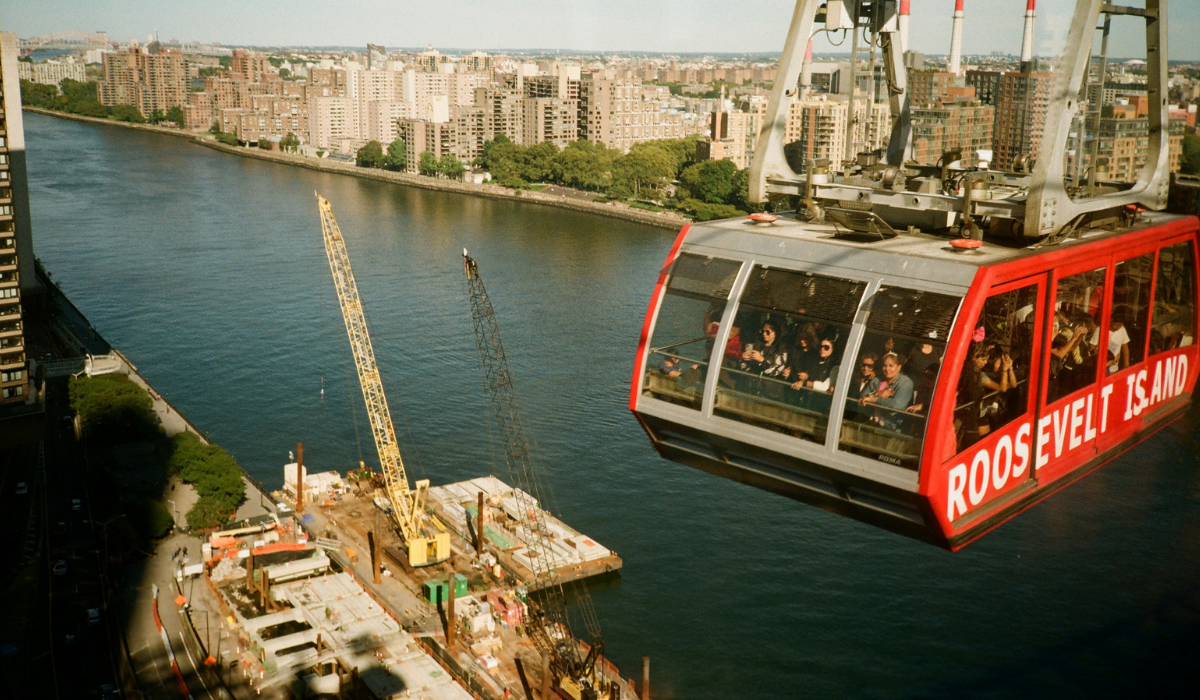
548,622
408,504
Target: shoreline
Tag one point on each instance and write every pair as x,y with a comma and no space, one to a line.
612,210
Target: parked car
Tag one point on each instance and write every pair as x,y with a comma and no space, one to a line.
60,567
93,616
22,488
76,504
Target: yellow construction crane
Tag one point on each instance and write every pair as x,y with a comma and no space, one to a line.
425,546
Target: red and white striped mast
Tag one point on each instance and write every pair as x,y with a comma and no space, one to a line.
904,20
956,38
1027,44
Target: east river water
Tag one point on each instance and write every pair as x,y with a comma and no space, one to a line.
208,271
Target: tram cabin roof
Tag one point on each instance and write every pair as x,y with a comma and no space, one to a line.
918,256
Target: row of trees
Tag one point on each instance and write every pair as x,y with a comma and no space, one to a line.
214,473
372,155
707,189
80,98
114,412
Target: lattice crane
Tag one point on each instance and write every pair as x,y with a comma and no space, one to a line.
548,622
424,546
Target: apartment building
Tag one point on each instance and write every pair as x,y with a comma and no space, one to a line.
17,276
986,84
1021,103
549,119
619,111
52,72
151,79
733,134
251,66
816,128
422,136
938,129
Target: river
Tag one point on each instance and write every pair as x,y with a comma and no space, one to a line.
208,271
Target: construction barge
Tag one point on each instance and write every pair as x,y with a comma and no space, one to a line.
313,608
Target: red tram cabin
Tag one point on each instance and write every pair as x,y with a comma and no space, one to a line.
926,389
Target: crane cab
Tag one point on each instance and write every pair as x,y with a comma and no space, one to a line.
928,389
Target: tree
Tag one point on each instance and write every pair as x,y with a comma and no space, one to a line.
427,164
227,139
1190,162
682,152
290,143
285,74
706,212
112,409
642,169
397,155
450,166
175,114
585,165
370,155
216,476
38,95
127,113
709,181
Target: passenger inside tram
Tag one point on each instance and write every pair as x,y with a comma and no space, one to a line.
993,387
893,391
1174,300
878,420
784,379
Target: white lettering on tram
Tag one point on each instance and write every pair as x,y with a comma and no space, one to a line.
1022,450
1004,447
996,466
1069,427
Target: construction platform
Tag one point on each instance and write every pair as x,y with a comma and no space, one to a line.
512,537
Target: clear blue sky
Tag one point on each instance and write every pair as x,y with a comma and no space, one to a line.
617,25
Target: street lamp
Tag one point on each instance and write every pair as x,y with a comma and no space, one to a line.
174,513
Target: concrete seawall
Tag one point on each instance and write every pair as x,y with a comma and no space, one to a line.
615,210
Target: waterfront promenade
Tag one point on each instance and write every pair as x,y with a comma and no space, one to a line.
553,196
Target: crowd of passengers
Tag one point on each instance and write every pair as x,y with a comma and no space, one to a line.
893,379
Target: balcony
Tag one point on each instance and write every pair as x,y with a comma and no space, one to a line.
9,362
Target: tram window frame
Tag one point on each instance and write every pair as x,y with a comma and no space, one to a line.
1050,370
692,285
1133,351
870,428
1028,295
778,391
1185,271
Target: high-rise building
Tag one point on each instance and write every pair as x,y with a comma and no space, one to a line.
733,134
250,65
816,128
1021,103
549,119
619,111
52,72
938,129
17,276
154,79
986,84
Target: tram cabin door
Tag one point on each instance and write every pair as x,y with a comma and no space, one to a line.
994,402
1071,407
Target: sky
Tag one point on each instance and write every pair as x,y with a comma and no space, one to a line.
673,26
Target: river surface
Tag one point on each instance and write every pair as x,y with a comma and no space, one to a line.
208,271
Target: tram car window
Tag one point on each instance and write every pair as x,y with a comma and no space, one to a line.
1078,308
884,421
794,327
993,387
687,328
1130,314
1174,299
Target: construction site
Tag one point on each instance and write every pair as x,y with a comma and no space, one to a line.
367,585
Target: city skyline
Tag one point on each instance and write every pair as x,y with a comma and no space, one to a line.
669,26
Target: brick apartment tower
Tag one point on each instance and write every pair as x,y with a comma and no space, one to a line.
17,276
1021,103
